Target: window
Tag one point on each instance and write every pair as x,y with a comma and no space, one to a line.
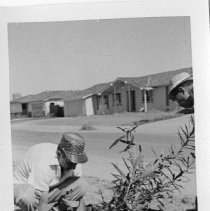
149,96
117,99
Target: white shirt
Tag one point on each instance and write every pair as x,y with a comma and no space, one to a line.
40,167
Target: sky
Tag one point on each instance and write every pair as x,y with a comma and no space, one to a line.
75,55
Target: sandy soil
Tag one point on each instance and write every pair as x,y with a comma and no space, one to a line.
159,135
180,203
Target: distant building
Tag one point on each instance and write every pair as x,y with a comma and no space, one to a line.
15,109
124,94
45,104
85,102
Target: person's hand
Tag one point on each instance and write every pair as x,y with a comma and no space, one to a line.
26,193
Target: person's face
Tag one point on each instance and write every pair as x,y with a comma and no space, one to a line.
64,162
183,97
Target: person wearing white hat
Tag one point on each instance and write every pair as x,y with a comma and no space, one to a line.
181,90
47,179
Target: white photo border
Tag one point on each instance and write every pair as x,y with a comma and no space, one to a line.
198,13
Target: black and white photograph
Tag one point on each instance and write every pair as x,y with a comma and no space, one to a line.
103,113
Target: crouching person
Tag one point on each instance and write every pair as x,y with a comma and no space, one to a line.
49,176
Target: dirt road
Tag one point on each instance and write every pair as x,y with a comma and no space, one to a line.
157,135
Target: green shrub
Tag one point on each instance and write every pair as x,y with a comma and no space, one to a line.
155,183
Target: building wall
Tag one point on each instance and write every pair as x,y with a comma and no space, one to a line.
94,104
15,107
123,107
40,109
139,103
117,108
159,100
37,109
89,106
103,109
173,106
30,107
74,108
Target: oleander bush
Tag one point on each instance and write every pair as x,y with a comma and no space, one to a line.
149,186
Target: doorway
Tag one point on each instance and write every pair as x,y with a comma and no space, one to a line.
131,101
24,109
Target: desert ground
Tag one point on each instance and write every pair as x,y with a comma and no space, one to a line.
100,132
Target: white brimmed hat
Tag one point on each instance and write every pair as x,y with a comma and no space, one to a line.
176,81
